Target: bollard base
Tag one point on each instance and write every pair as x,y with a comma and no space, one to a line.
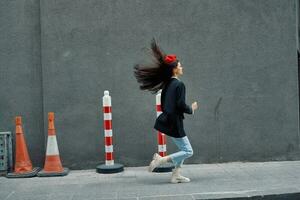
48,174
164,168
109,169
30,174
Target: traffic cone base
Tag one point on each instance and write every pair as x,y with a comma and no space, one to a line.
44,173
109,169
28,174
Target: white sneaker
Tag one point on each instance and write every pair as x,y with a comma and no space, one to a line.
155,162
177,178
156,156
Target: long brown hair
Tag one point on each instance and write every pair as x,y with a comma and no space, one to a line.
154,76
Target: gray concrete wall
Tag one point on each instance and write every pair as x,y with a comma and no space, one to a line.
20,72
240,64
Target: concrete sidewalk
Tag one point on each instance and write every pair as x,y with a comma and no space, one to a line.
208,181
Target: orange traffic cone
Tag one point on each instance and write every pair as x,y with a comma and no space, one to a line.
23,166
53,166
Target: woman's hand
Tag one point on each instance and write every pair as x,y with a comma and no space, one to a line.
194,106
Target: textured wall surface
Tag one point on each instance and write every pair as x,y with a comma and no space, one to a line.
21,72
239,59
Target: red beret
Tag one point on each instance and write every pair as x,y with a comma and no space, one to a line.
170,58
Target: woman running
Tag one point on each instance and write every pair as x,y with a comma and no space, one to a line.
164,74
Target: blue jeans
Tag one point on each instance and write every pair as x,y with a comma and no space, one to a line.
185,148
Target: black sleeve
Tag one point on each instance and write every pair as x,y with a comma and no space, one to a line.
180,100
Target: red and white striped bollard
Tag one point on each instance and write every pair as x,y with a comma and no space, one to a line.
161,139
110,166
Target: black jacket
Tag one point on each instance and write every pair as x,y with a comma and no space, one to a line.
173,105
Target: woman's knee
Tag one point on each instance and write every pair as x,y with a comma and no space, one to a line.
189,152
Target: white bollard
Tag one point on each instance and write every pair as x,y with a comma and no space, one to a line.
110,166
